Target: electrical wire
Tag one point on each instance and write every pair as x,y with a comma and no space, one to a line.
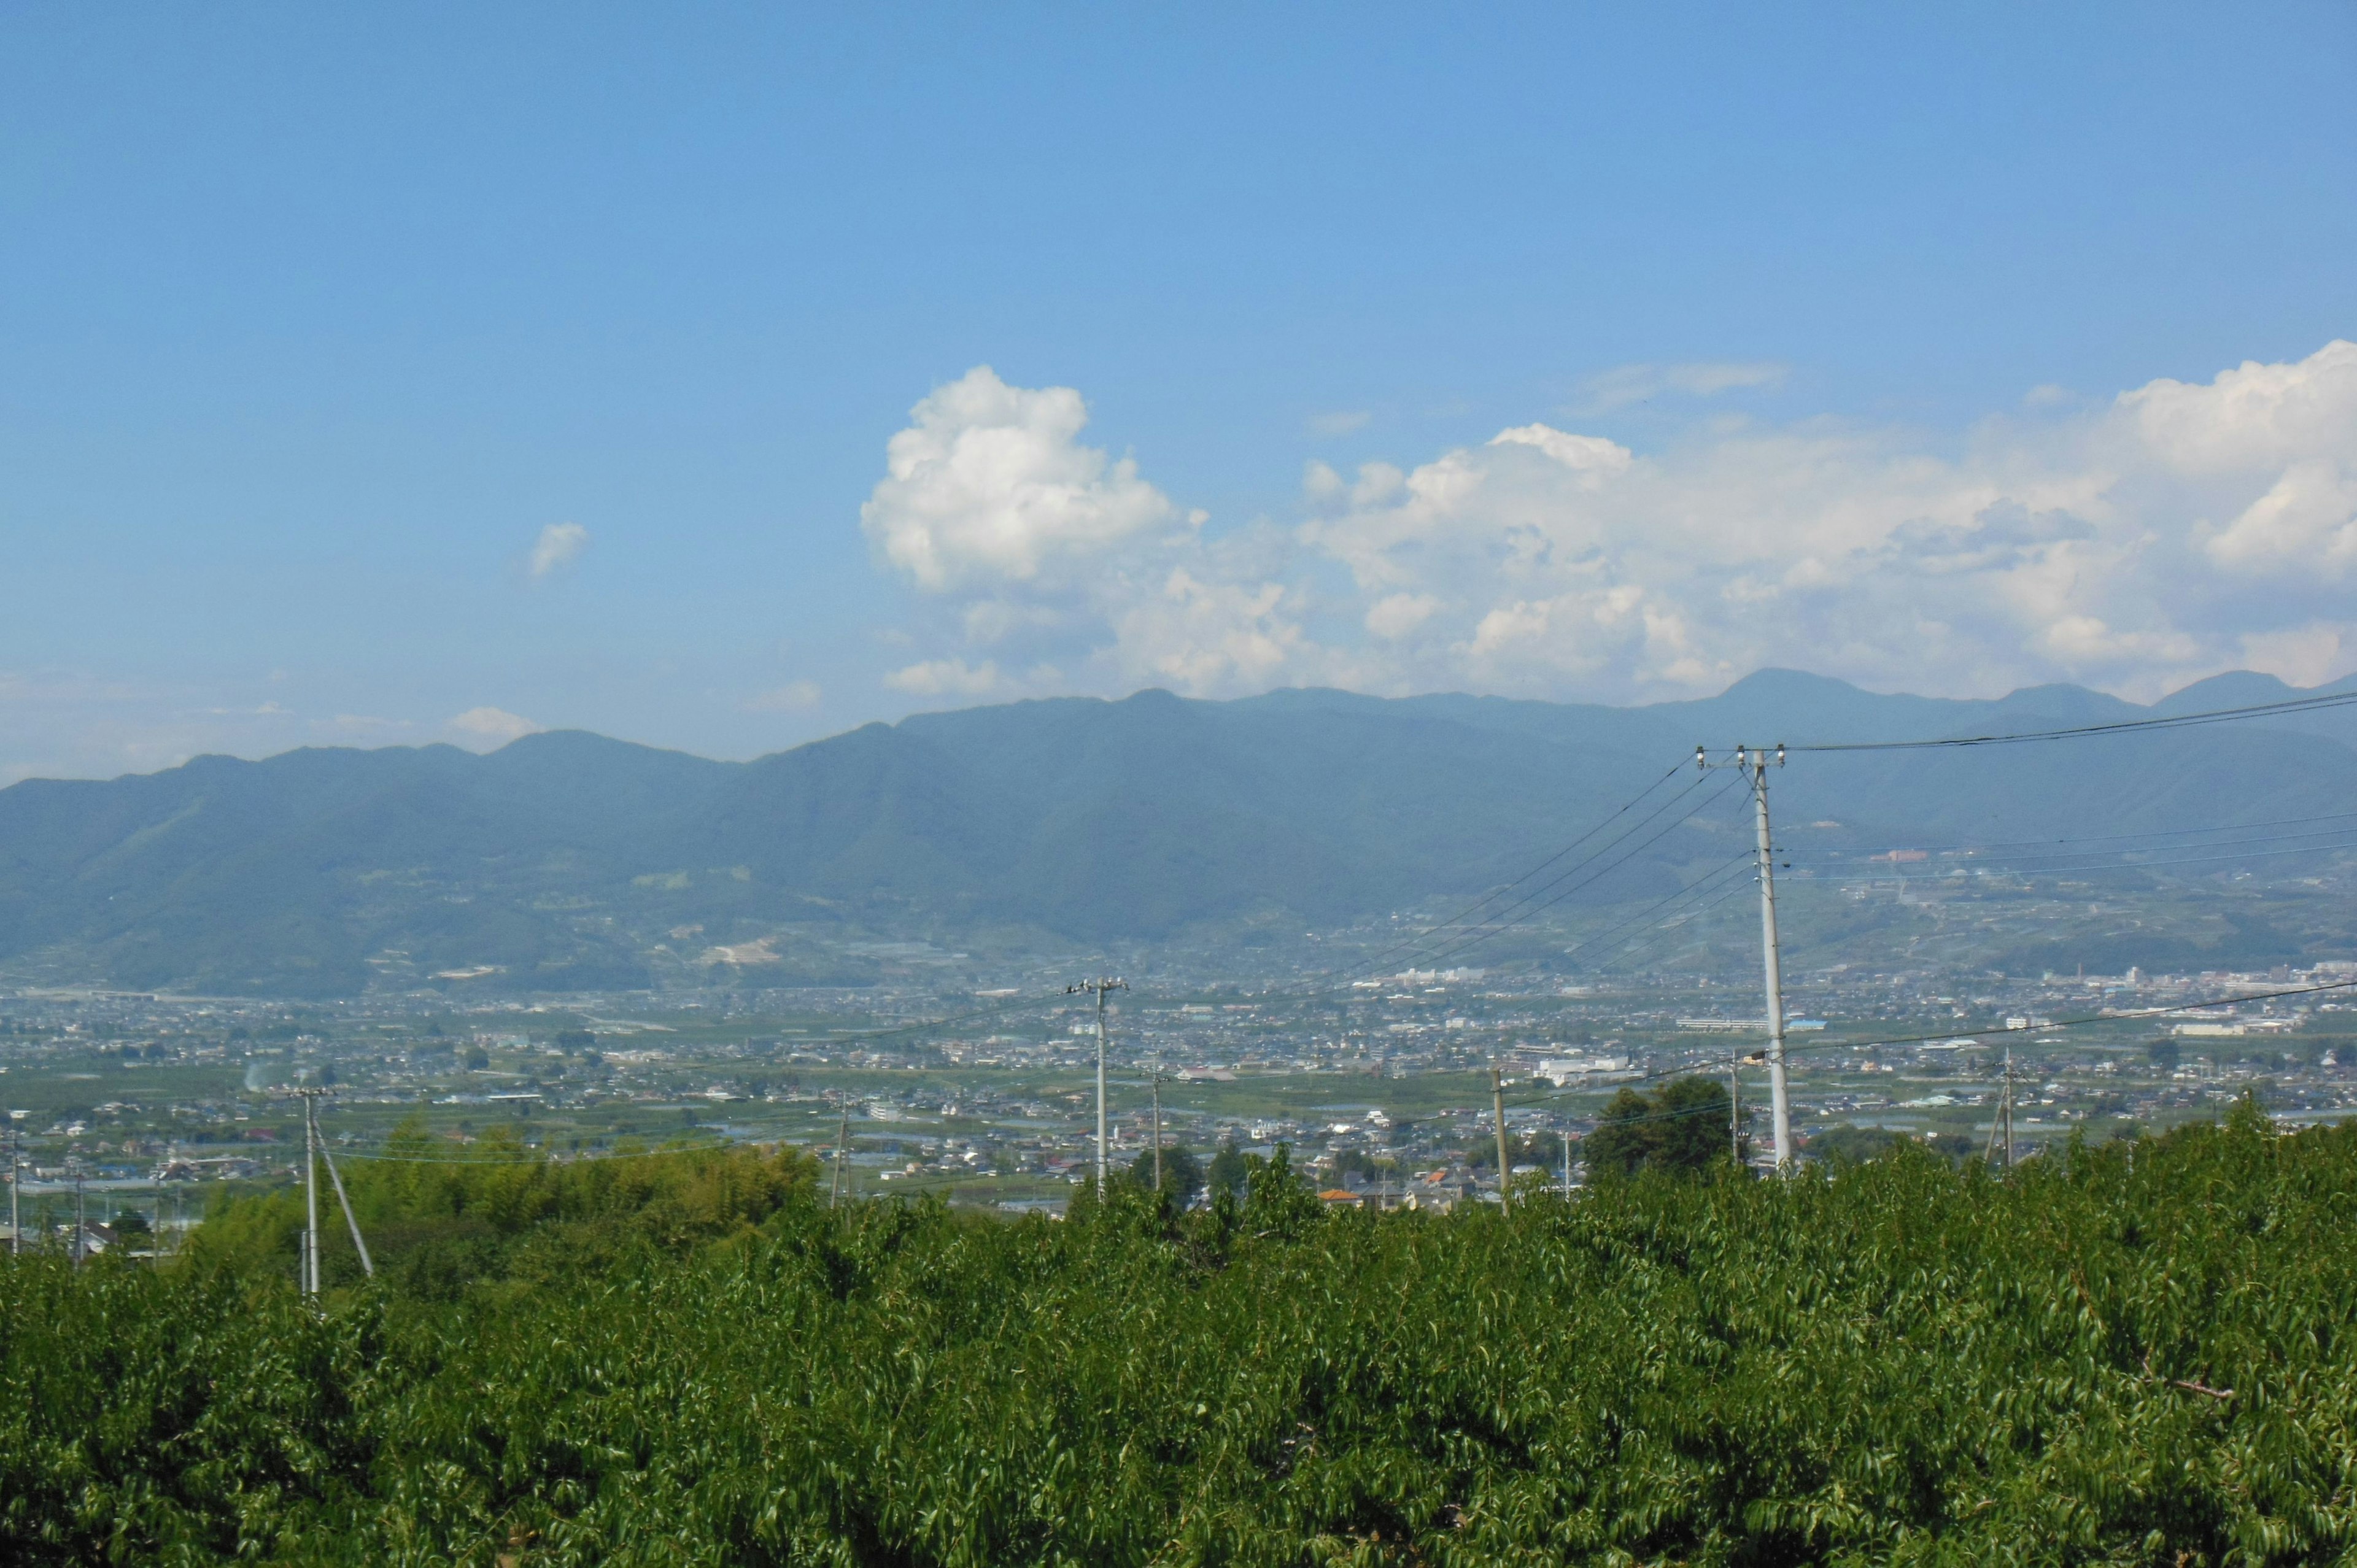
1412,948
1954,875
1526,910
2120,727
1637,943
2114,838
1879,1041
1650,910
1458,917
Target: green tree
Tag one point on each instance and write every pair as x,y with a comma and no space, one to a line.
1681,1129
1229,1173
1182,1174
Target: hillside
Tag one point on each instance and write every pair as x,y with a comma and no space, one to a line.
569,861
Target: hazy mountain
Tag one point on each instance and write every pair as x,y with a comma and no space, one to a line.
568,860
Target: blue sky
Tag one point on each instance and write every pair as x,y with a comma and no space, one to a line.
1942,348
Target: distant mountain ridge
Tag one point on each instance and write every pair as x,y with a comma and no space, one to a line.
567,860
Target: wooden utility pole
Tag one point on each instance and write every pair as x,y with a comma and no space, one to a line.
1505,1171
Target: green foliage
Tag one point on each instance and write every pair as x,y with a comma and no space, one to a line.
2126,1354
1182,1174
440,1218
1678,1129
1229,1173
1846,1143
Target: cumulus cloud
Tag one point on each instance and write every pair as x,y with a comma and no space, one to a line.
492,727
560,544
991,482
1626,384
2135,543
946,678
793,697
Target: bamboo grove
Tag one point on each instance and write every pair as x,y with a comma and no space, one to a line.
2140,1353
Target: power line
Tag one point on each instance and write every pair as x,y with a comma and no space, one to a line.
1520,914
2110,838
2088,870
1456,920
1879,1041
2119,727
1684,917
1407,947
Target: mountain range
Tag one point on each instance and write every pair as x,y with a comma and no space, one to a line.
567,861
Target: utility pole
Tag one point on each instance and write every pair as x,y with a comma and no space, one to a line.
15,1181
1100,986
1735,1113
2001,1127
1505,1171
1566,1163
82,1232
841,1139
1753,763
1157,1126
310,1194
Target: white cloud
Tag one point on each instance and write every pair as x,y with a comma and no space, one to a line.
793,697
560,544
2306,519
1397,615
1626,384
1200,636
946,678
492,727
2174,531
1590,456
991,484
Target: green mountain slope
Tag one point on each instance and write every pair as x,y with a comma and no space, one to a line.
572,861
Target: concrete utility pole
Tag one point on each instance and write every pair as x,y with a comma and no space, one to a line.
15,1181
2001,1128
81,1222
1753,763
1157,1126
841,1139
310,1193
1734,1113
1100,986
1505,1171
